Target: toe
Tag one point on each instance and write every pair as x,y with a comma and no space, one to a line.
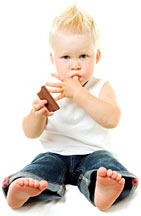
20,182
31,183
43,185
36,184
109,173
102,172
114,175
122,181
26,182
118,177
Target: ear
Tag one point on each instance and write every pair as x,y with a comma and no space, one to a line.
98,56
51,58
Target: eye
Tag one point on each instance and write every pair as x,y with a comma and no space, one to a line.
83,56
66,57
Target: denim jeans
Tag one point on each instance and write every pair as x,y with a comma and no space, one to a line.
80,170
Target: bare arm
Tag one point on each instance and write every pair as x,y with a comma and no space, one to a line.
104,110
34,123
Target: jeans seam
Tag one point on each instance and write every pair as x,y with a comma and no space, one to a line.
62,164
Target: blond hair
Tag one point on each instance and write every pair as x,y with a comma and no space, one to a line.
74,20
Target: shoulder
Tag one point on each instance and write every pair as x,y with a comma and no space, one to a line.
95,84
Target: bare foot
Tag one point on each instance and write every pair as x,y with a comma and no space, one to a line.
109,186
22,189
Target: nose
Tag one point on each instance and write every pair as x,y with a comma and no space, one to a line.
75,65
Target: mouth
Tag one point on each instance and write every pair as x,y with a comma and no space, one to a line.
76,75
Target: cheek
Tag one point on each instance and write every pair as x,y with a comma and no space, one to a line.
89,67
60,68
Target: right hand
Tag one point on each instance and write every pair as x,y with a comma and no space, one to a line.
67,88
39,108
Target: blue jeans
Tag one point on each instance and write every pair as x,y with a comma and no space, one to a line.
80,170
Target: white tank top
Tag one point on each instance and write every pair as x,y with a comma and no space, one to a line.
72,131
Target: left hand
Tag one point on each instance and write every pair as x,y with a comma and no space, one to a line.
67,88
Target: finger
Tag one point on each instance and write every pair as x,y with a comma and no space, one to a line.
54,84
75,78
51,114
37,101
44,111
39,106
59,97
36,107
57,76
60,90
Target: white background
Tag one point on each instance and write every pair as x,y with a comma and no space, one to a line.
25,66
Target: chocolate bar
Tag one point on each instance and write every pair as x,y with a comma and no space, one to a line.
44,94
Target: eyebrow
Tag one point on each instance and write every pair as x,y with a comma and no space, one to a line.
67,52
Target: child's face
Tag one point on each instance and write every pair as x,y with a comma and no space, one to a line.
74,55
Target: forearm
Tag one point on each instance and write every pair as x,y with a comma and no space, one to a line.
103,110
34,124
104,113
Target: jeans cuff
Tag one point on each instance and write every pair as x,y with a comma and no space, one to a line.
88,180
54,188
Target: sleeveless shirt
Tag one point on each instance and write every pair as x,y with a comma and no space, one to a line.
71,131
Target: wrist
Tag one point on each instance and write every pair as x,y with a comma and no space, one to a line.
77,93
